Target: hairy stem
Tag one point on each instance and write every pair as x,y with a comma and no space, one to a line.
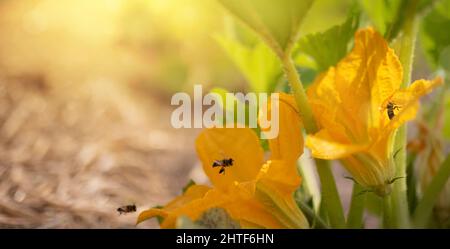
330,195
400,207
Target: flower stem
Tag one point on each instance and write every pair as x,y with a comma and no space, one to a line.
355,214
299,95
425,206
387,212
314,220
400,210
330,195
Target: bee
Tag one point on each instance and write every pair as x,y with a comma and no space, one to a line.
126,209
390,109
226,162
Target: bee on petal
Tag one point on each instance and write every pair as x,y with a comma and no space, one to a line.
226,162
391,107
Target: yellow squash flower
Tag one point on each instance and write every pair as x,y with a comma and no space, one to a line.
359,105
255,193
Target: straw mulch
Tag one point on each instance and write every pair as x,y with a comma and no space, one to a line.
71,155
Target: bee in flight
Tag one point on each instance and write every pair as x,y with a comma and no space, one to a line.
390,109
226,162
126,209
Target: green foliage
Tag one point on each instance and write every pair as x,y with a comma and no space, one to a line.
231,106
259,65
434,36
388,16
328,47
382,13
278,24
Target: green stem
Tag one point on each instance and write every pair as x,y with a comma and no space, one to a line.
388,221
299,94
330,195
314,220
425,207
400,210
355,214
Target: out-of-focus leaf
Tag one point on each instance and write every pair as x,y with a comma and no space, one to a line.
277,23
259,65
228,106
382,13
388,16
328,47
434,36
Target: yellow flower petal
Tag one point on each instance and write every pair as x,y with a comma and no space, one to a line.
240,144
192,193
407,101
151,213
352,93
289,143
280,203
323,146
238,205
282,173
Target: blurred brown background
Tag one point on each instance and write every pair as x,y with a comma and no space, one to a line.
85,109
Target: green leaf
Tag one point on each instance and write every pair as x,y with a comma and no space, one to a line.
228,106
388,16
259,65
329,47
382,13
434,37
278,24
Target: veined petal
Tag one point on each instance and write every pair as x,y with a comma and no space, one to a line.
371,73
288,145
240,207
240,144
325,101
352,92
323,146
280,203
284,174
407,102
